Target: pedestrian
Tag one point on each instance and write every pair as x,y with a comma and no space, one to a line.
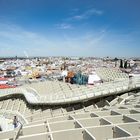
130,82
15,121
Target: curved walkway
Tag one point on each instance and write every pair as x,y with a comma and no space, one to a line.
102,90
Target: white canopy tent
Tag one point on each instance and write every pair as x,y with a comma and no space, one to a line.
93,78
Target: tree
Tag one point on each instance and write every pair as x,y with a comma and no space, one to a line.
125,64
115,59
80,58
121,63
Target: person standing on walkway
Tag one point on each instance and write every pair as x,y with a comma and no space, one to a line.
130,82
15,121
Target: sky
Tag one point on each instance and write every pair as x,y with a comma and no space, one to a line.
97,28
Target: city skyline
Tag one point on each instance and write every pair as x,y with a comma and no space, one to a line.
70,28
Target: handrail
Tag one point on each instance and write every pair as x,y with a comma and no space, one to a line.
17,132
5,113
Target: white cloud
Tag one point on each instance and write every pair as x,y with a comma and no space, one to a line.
75,10
64,26
67,24
19,40
87,14
15,41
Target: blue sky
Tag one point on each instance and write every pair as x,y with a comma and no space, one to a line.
70,28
